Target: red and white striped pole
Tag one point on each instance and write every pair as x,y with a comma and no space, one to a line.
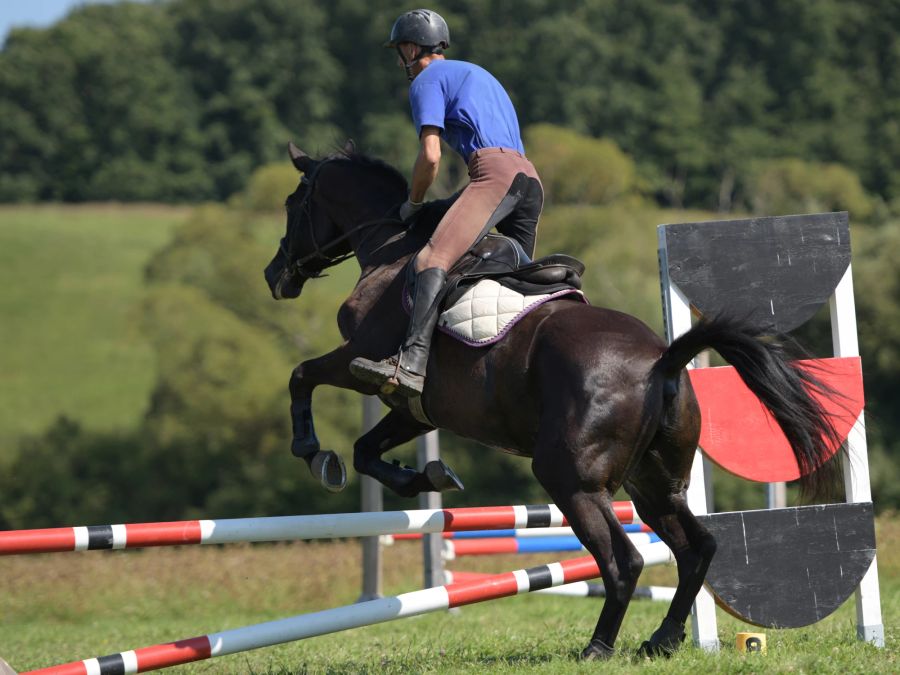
333,620
286,528
577,589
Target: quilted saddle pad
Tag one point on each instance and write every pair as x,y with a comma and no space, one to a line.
486,312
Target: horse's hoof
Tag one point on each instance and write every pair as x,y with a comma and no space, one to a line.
596,650
442,477
665,641
650,650
328,468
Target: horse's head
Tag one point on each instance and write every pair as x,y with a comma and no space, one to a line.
337,198
312,240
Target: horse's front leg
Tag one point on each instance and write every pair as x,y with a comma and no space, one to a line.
332,368
394,429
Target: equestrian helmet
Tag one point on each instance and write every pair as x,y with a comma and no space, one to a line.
422,27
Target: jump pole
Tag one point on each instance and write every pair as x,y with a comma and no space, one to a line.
287,528
456,548
490,534
577,589
333,620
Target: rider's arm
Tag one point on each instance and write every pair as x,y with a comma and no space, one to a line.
427,163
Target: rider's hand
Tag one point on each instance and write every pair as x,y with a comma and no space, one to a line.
408,209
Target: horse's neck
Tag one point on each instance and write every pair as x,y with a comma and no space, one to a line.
386,244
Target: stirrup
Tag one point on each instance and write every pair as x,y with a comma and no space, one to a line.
391,384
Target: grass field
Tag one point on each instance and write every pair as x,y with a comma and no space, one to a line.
70,282
60,607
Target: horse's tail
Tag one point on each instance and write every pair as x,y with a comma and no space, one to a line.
784,388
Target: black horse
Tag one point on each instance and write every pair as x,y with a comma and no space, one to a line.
593,396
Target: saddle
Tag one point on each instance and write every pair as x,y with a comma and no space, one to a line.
503,260
495,284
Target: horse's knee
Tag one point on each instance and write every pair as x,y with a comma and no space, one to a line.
629,572
362,458
297,384
635,565
297,372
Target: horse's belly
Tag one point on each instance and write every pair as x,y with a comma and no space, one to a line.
484,393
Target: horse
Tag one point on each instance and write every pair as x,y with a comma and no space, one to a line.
593,396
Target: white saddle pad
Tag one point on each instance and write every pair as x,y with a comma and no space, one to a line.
486,310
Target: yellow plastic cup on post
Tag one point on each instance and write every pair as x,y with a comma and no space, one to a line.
751,643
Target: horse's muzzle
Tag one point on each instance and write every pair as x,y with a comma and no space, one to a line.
283,281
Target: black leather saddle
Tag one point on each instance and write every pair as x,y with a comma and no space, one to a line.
504,260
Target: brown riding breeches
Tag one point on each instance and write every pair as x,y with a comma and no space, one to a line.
504,192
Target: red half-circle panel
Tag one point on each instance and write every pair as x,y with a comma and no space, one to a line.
742,437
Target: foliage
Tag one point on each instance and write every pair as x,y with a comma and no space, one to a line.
267,187
95,109
577,169
183,100
794,186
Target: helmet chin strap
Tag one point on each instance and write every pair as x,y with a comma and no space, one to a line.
408,65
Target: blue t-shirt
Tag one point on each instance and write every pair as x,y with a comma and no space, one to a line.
468,105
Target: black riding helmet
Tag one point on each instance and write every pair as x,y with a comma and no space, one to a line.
422,27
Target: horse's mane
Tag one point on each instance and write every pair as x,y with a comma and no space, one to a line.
391,174
428,217
369,162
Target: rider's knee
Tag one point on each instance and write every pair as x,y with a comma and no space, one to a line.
430,257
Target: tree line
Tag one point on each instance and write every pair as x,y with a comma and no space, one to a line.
181,100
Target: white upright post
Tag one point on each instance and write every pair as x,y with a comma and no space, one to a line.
372,500
427,449
677,315
857,486
776,495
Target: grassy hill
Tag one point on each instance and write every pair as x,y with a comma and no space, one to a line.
70,281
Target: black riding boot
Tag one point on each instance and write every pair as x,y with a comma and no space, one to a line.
404,373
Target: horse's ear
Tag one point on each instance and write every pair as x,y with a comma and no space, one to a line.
300,159
349,147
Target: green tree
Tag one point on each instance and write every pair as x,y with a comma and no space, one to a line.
577,169
794,186
82,122
263,71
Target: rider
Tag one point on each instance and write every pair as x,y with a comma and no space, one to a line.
467,107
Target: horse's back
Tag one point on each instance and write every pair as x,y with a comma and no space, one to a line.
590,352
564,351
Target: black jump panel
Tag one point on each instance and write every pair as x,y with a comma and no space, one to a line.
786,568
777,271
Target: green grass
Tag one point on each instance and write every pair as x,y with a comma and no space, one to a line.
60,607
70,283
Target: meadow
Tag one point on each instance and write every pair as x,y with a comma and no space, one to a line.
71,280
60,607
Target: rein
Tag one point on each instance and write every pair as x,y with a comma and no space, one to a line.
319,251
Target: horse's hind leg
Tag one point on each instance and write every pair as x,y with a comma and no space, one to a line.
580,488
658,487
394,429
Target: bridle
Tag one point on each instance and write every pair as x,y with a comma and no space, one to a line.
319,251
